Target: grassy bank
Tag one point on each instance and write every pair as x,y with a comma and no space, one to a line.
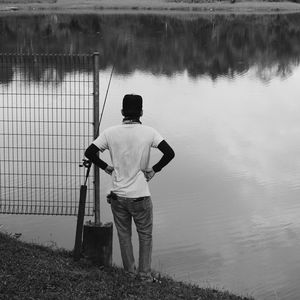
148,6
29,271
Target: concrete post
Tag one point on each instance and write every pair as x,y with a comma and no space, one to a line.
97,243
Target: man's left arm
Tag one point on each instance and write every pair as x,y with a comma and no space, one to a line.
168,155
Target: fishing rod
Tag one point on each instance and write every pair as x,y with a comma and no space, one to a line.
106,94
86,163
108,86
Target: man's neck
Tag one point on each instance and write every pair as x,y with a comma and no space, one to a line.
129,120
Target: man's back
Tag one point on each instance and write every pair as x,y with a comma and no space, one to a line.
129,146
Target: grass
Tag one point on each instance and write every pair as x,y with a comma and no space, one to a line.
29,271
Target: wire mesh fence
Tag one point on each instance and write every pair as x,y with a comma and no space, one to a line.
46,122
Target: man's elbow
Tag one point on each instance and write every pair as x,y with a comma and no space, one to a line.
87,153
91,151
172,154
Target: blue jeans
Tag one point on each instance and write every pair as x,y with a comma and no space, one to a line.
124,210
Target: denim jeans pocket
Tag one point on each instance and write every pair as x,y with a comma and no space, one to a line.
116,205
141,205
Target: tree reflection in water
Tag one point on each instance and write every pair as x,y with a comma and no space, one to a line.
201,45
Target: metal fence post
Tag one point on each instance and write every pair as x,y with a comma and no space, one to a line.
96,125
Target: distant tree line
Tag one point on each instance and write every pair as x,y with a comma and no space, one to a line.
203,46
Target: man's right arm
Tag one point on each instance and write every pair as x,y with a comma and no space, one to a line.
92,154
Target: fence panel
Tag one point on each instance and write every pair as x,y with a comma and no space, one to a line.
46,122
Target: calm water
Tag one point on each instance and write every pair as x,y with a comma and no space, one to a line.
224,92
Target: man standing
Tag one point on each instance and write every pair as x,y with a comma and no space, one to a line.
129,145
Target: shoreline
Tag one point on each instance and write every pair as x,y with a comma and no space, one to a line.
12,7
30,271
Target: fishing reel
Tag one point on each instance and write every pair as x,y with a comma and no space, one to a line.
86,163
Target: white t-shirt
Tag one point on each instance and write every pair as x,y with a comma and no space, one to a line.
129,146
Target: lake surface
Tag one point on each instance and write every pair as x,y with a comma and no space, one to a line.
224,92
